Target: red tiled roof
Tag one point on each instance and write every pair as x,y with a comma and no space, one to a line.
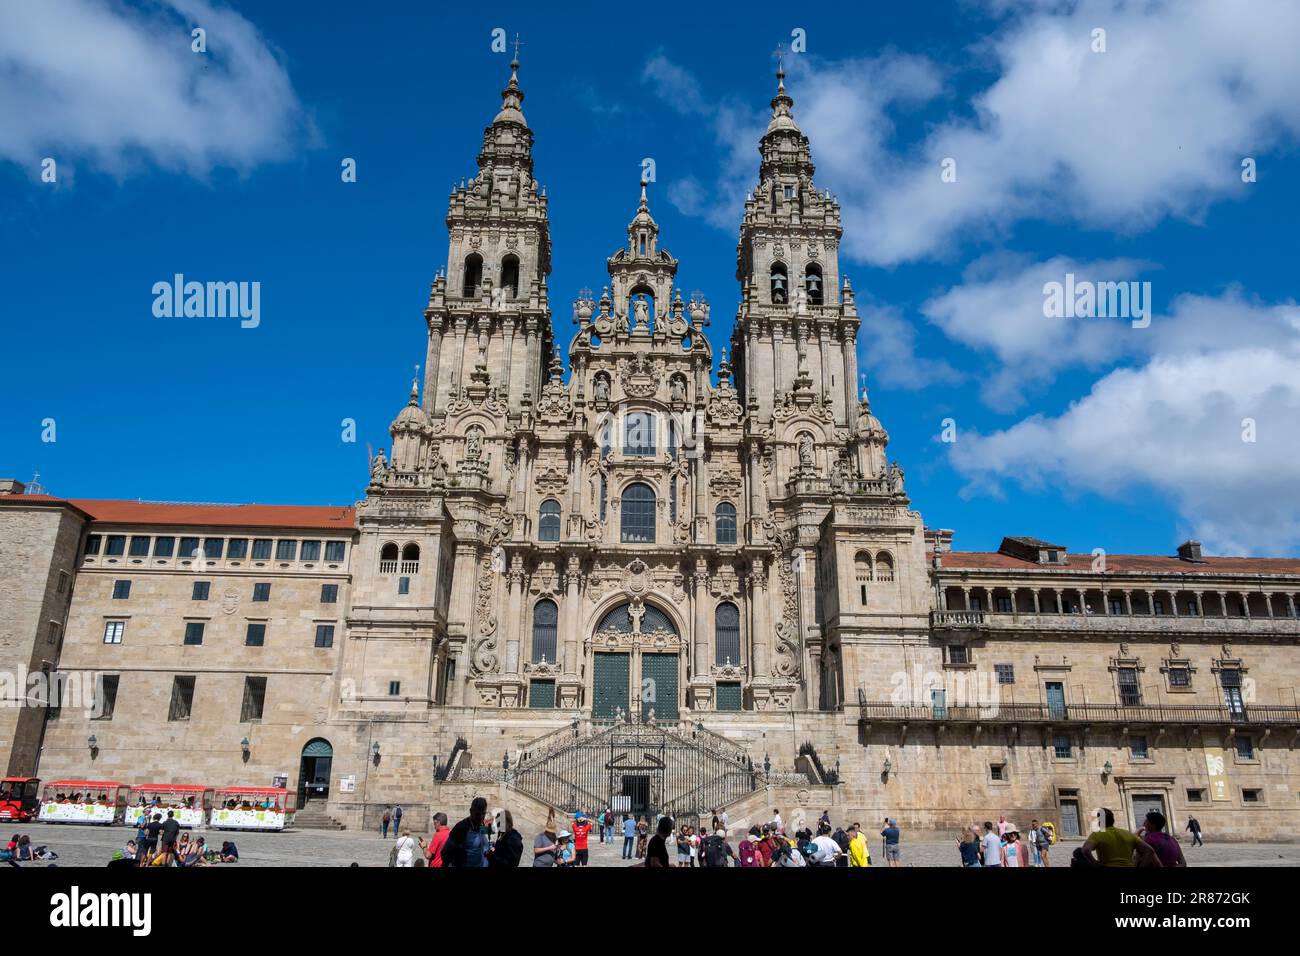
1120,563
321,517
244,516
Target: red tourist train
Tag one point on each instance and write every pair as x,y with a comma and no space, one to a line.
19,798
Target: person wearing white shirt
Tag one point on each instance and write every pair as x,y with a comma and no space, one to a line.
992,846
827,849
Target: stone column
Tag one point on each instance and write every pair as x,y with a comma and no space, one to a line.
778,379
849,345
1290,605
432,361
508,325
759,637
571,618
701,580
514,586
1223,602
458,373
1128,603
823,353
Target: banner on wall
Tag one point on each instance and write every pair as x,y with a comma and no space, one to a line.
1217,768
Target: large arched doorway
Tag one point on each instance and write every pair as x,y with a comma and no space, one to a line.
636,664
314,771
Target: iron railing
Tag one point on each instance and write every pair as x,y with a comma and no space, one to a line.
656,768
1282,714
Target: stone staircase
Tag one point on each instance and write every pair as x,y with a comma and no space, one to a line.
314,817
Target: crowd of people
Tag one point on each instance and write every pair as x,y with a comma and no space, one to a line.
162,842
1003,845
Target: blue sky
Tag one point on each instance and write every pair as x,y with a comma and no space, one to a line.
1117,164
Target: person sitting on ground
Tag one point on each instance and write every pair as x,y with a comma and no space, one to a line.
120,861
1114,846
229,852
131,851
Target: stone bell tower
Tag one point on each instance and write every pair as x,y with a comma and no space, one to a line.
488,315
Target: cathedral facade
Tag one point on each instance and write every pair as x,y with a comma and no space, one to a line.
713,546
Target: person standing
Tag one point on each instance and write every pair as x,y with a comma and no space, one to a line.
466,846
891,837
397,818
581,831
1014,853
546,845
968,845
827,850
1114,846
1035,834
385,821
992,846
1165,845
433,851
642,837
1194,826
509,848
716,851
777,824
656,853
171,828
859,855
405,847
1002,826
629,835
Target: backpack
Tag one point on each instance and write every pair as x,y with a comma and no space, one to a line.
715,851
749,854
1044,836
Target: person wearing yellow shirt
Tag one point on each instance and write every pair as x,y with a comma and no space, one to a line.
1113,846
859,855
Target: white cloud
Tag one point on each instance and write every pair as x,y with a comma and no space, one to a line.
1175,424
88,80
1154,127
999,310
887,349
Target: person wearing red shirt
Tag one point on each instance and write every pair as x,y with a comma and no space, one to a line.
581,827
765,847
433,849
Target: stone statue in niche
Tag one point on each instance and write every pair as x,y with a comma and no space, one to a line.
642,313
378,466
474,444
805,451
601,388
677,389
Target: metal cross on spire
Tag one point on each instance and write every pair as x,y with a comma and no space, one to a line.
518,44
779,53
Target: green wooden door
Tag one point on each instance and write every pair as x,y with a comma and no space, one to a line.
659,686
610,688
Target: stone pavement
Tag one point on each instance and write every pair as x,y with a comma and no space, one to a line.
94,846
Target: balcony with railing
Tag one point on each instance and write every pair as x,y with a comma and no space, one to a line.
1285,715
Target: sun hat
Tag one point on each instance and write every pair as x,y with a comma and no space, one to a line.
563,835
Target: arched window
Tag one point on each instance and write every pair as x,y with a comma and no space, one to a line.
724,523
545,626
884,566
473,275
548,521
780,283
862,574
639,434
726,634
812,283
388,556
510,277
638,514
652,619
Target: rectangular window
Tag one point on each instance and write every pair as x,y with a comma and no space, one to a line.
1137,746
63,581
1195,796
113,631
256,635
1006,673
311,550
334,550
1180,677
394,688
164,547
541,694
105,697
254,699
139,546
1251,795
976,604
200,590
1130,695
116,545
121,590
957,654
189,548
1192,609
92,544
639,434
237,548
1116,606
329,593
1157,607
403,585
286,549
194,633
729,695
213,547
182,699
997,771
1245,746
261,549
1061,745
1003,604
324,635
262,592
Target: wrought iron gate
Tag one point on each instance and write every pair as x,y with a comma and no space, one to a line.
656,769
